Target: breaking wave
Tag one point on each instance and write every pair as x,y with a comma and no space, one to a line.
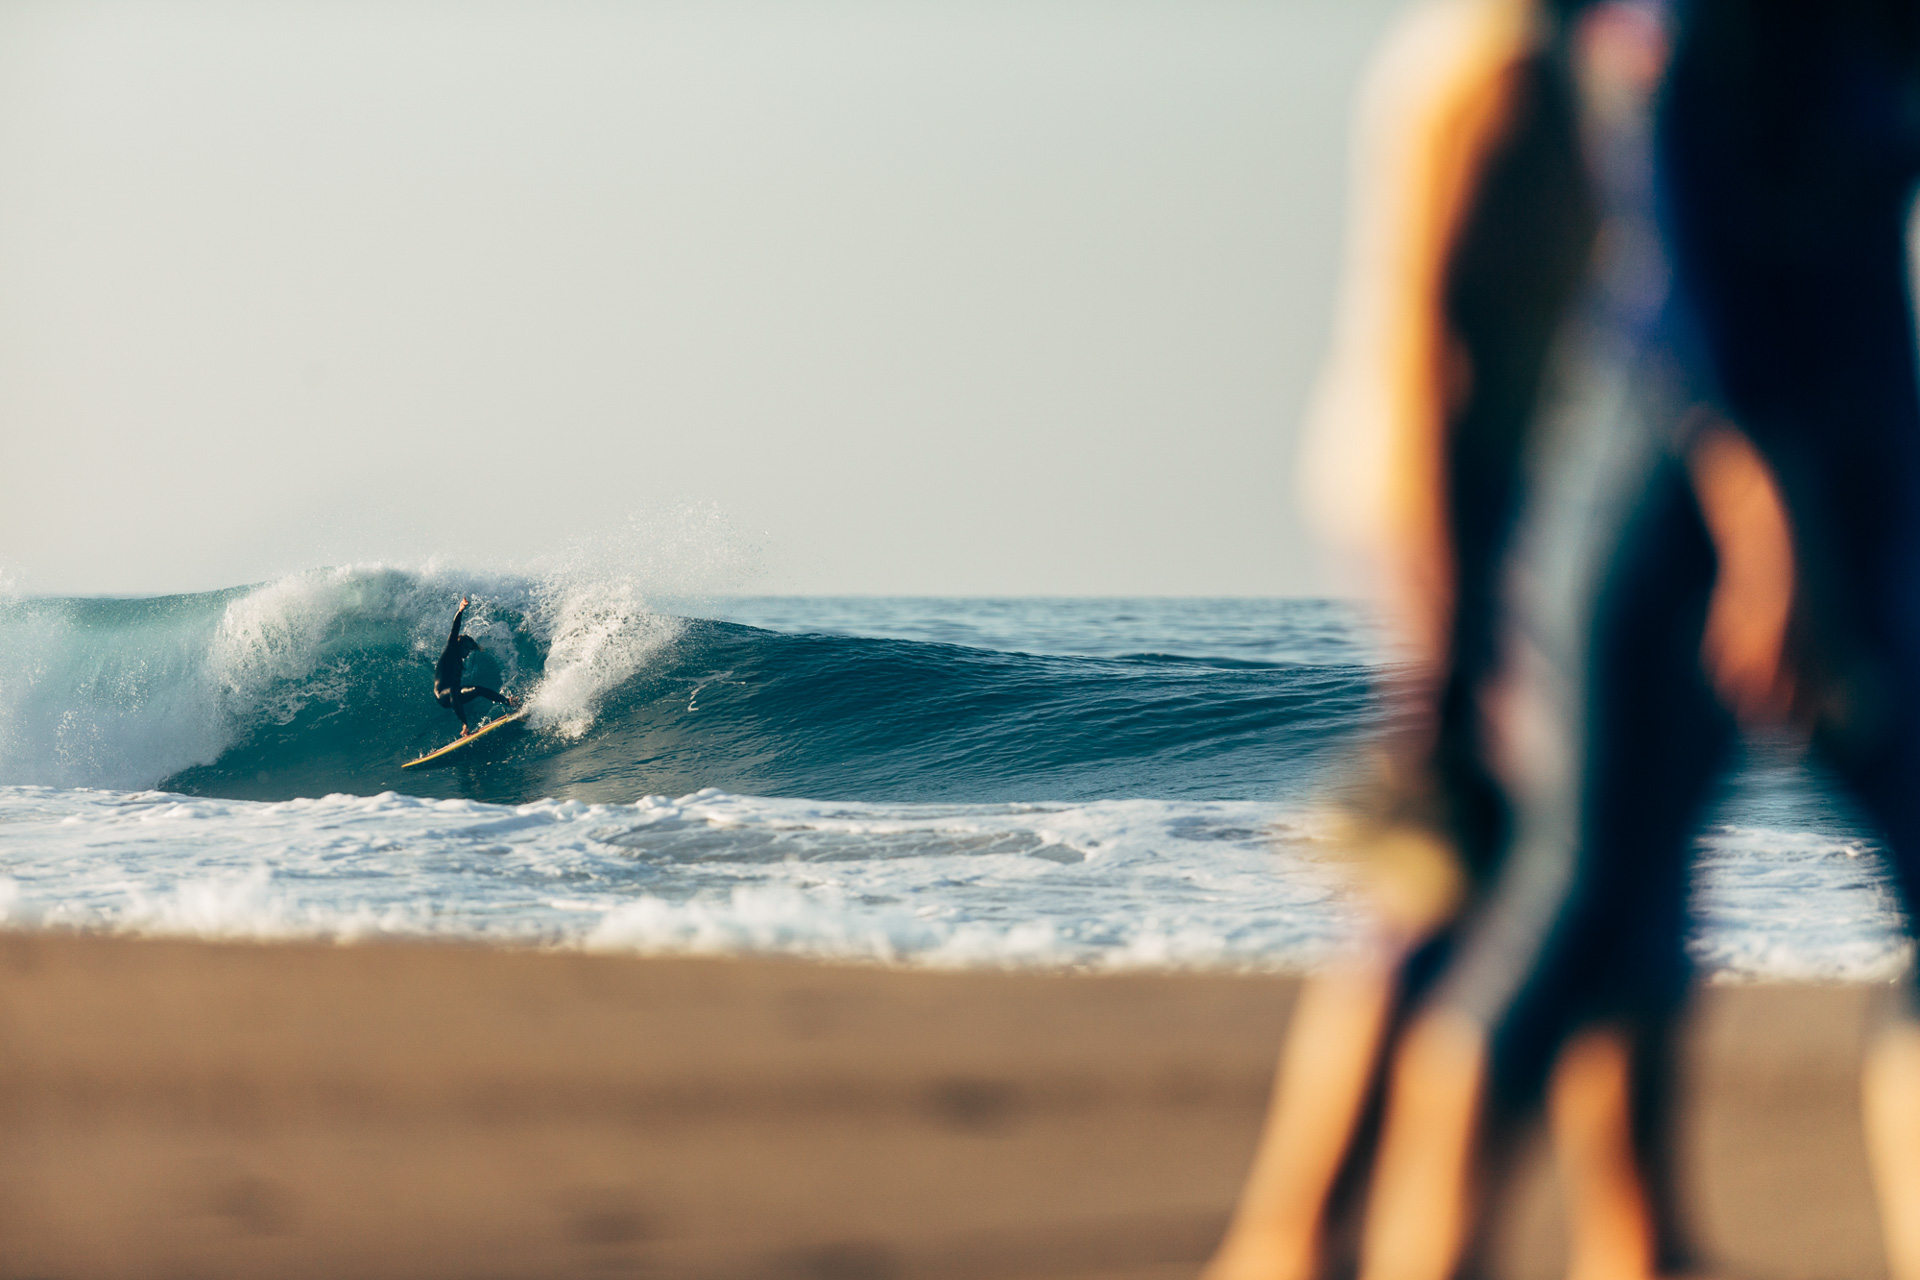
319,683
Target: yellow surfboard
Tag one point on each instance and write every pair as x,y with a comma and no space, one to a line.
485,729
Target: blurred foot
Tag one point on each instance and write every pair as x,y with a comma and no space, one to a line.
1319,1090
1891,1102
1590,1110
1418,1206
1250,1253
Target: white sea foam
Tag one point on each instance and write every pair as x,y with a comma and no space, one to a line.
600,632
1112,884
1797,905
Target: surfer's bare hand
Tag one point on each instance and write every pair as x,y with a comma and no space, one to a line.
463,602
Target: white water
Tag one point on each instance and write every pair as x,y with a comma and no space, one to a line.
1113,883
1109,884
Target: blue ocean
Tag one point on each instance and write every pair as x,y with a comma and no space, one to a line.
1053,782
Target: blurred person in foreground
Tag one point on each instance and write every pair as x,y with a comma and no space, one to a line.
1792,137
1475,241
1585,552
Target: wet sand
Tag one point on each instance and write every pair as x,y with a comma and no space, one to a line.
173,1109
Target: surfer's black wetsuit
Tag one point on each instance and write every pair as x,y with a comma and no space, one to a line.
450,671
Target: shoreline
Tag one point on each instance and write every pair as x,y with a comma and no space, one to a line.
306,1109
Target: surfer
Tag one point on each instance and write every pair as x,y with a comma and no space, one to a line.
450,671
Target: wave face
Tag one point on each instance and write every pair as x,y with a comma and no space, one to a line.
320,683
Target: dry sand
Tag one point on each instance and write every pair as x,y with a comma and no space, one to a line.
181,1109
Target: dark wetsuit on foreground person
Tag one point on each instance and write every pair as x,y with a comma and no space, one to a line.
1600,660
1793,140
1604,729
1788,150
449,674
1474,248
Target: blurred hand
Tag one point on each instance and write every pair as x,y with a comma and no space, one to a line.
1746,633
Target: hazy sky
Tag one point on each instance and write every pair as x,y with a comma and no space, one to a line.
919,296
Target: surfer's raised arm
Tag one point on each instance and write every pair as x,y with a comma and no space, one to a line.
450,688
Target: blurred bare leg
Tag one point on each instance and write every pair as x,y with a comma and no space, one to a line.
1590,1109
1417,1214
1890,1098
1326,1065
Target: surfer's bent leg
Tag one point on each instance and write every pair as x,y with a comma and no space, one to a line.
455,700
480,691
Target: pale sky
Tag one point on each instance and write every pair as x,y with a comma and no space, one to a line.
914,296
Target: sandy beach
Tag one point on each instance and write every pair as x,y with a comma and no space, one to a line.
190,1108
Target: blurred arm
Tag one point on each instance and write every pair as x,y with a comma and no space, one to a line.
1746,632
1433,106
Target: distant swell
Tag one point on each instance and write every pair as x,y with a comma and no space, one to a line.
319,683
